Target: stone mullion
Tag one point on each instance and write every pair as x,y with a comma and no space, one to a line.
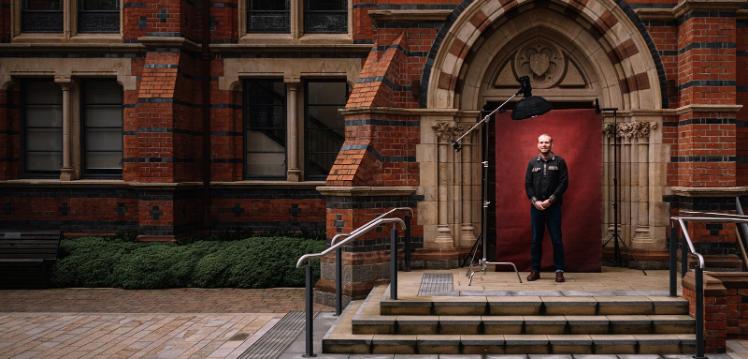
292,130
66,172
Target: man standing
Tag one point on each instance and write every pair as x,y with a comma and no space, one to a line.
546,181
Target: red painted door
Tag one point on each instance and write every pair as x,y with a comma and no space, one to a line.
577,137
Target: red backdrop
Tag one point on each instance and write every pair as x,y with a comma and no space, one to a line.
577,136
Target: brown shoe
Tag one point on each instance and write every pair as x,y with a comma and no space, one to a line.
533,276
560,277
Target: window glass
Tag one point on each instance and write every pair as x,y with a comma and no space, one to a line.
98,16
324,128
265,124
42,110
268,16
325,16
41,15
101,105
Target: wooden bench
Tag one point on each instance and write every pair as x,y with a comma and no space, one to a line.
26,257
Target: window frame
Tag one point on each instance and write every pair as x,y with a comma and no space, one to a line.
70,31
296,34
307,11
61,11
78,11
303,129
98,173
25,172
249,10
245,130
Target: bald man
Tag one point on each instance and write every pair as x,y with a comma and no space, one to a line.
546,180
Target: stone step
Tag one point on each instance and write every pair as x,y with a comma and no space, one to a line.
533,324
509,344
534,305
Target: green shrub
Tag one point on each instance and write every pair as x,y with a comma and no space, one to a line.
89,262
249,263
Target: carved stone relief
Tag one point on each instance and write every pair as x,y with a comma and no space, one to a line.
547,65
445,131
628,130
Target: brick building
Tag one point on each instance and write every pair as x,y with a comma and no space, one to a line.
170,118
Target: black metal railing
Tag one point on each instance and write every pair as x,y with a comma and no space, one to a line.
336,246
688,248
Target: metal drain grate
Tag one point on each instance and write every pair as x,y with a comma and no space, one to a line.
436,284
277,339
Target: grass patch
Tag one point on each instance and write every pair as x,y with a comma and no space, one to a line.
260,262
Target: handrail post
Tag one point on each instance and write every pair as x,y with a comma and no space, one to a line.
393,262
699,313
309,306
684,258
673,252
338,280
406,245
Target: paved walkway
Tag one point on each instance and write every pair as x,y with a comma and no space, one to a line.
116,323
223,323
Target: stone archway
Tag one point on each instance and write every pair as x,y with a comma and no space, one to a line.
605,58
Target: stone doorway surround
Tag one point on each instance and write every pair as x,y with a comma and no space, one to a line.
599,55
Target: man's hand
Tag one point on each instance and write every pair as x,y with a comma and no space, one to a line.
538,205
546,203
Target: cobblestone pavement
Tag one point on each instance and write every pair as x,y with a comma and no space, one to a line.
116,323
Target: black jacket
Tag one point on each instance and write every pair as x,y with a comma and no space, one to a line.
546,179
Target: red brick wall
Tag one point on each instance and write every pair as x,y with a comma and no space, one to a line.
742,99
224,26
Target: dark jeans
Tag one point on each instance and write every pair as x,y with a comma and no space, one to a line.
539,219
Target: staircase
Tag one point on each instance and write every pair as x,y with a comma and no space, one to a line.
512,324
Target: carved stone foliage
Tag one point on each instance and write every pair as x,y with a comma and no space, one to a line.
446,130
629,130
545,63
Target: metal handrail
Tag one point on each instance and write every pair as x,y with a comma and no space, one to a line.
366,227
306,257
362,227
699,270
309,300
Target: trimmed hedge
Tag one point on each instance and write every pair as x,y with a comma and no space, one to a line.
260,262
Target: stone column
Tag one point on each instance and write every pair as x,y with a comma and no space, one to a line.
292,130
624,199
642,131
66,172
467,231
444,132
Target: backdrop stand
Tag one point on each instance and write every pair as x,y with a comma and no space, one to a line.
530,106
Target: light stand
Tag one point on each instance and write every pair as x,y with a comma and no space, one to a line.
530,106
615,237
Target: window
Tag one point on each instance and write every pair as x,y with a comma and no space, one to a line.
324,128
268,16
325,16
265,129
98,16
41,16
101,112
293,19
42,112
68,18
